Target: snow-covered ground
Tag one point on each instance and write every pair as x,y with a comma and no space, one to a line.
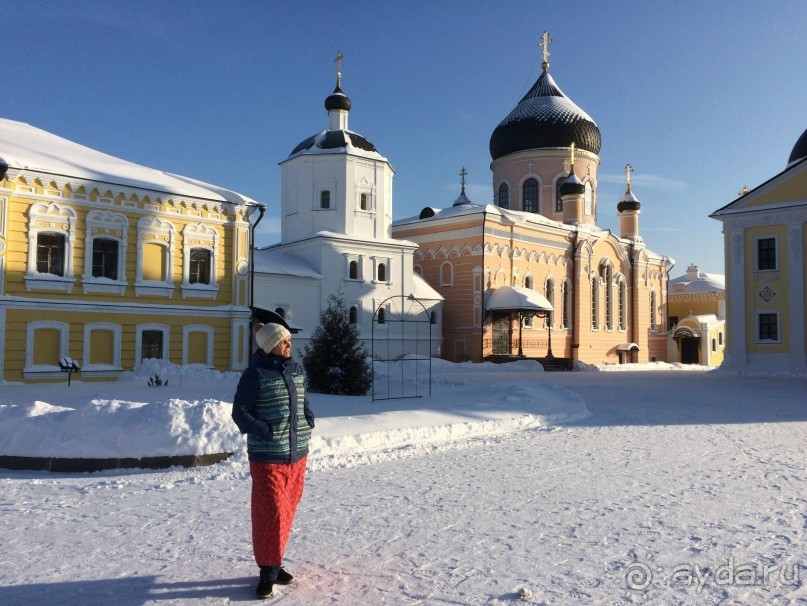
657,484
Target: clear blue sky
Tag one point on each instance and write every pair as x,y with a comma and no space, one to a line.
700,97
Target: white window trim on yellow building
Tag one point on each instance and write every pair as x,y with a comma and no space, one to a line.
759,237
199,236
152,230
50,218
760,340
186,332
141,328
44,371
114,226
105,370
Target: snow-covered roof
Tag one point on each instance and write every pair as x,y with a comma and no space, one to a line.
704,283
337,142
272,261
424,291
508,298
25,147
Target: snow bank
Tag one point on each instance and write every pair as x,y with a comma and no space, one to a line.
166,410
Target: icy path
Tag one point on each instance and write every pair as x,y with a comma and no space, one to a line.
697,474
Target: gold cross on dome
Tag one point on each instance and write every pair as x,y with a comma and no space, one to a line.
545,40
571,155
338,62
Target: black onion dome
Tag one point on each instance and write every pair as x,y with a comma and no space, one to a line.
799,150
545,117
337,100
628,202
572,186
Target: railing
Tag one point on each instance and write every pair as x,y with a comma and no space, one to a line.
507,346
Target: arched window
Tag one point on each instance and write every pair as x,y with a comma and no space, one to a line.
528,282
382,316
529,202
324,199
623,291
504,196
567,304
549,293
446,274
595,303
607,279
653,310
354,314
558,199
354,270
382,272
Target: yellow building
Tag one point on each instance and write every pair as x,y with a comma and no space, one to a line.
764,232
697,307
106,263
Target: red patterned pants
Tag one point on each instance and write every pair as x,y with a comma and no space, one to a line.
276,491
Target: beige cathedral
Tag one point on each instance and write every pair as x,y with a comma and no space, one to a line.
532,274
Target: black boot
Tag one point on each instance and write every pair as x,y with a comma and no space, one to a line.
268,579
283,577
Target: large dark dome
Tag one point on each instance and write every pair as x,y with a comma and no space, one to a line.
545,117
334,140
799,150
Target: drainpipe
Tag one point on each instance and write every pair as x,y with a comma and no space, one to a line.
634,304
252,228
573,298
483,312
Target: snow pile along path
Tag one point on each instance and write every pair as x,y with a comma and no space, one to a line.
164,410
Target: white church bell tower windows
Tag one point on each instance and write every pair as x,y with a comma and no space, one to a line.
325,200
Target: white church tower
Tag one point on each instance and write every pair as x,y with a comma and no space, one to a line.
336,181
336,216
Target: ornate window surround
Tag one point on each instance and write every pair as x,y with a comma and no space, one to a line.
153,230
51,218
113,226
199,236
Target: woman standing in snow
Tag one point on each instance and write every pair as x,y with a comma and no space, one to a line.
271,407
